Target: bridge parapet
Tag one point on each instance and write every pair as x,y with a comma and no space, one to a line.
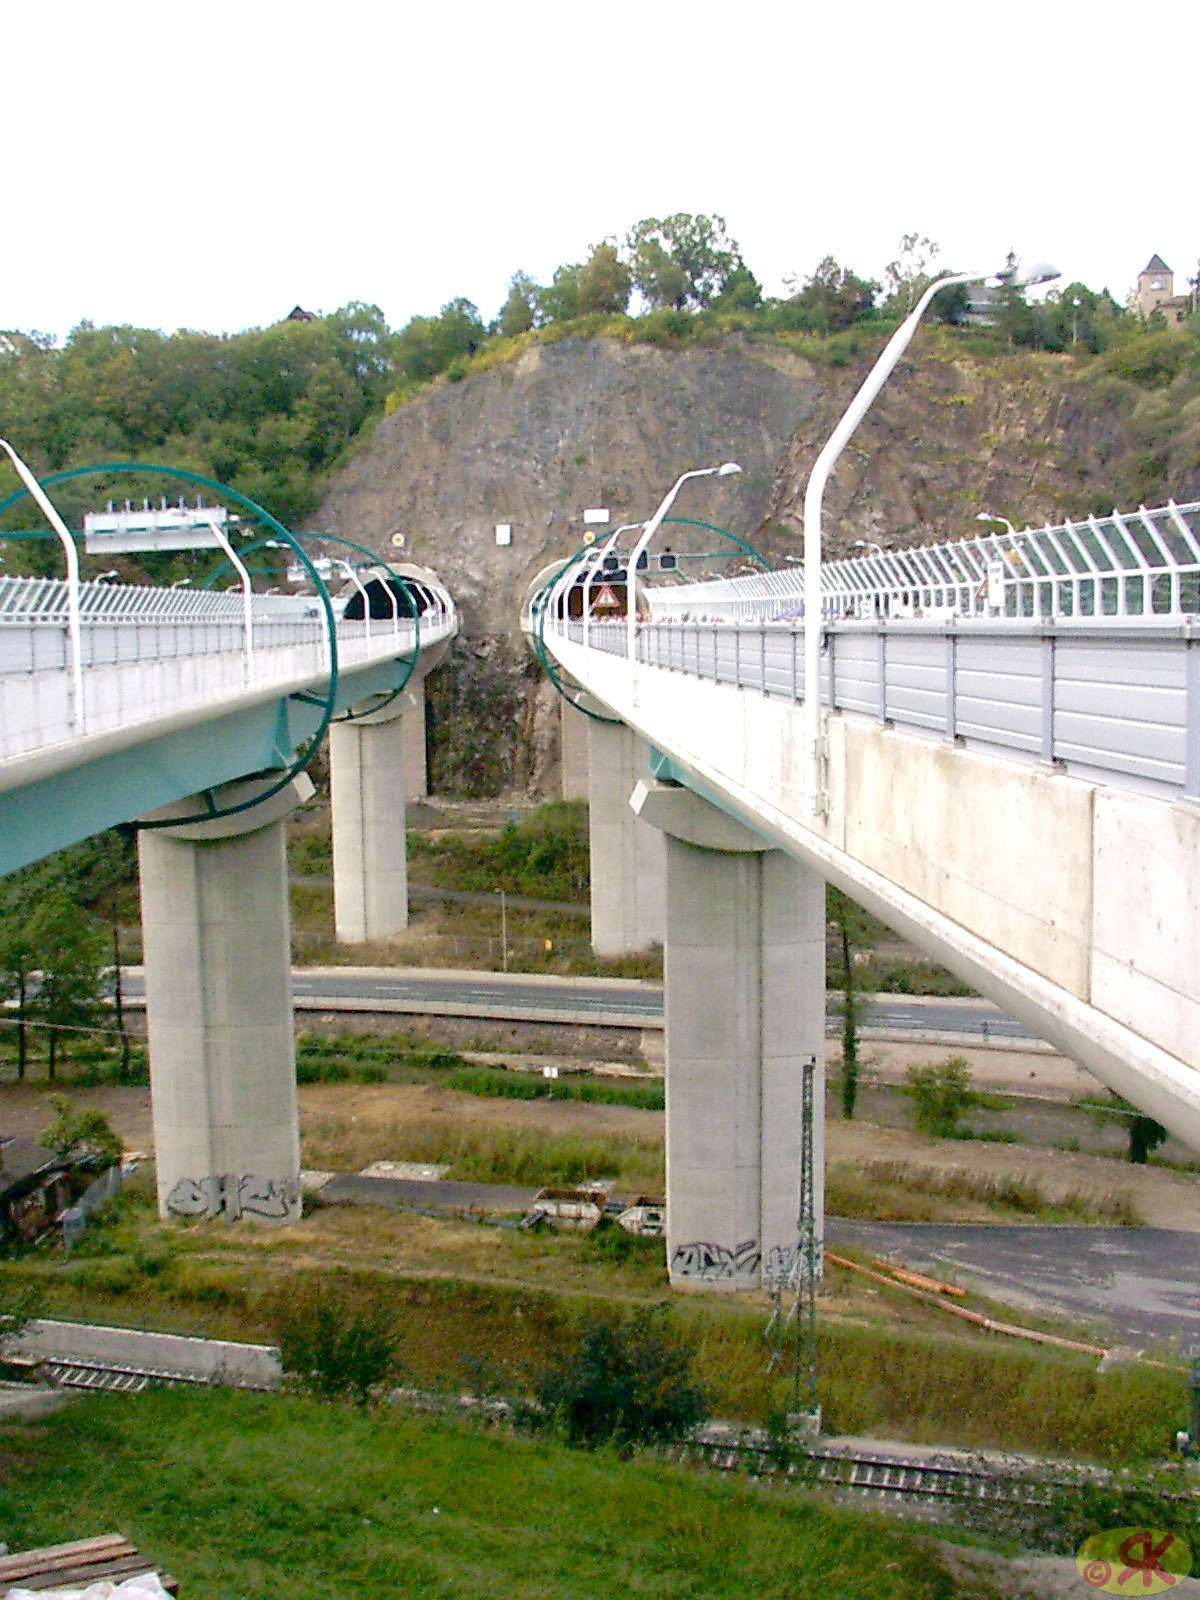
150,654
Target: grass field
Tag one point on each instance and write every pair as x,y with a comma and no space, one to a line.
247,1497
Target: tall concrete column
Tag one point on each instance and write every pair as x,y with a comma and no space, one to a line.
219,1009
745,1008
413,757
370,864
572,750
628,858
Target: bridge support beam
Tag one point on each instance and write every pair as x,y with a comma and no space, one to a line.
414,757
628,858
745,1008
219,1008
370,865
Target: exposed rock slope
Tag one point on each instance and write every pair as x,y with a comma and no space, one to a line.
602,423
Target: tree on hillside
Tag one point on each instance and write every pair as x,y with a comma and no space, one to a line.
683,261
605,282
742,292
518,313
105,869
909,274
834,297
558,301
428,345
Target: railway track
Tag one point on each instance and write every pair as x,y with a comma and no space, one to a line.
925,1483
892,1477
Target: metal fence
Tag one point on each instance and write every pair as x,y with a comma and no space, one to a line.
1098,698
1140,564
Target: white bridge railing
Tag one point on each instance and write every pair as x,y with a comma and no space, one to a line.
1140,564
145,653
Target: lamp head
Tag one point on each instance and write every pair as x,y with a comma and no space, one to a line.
1028,277
729,470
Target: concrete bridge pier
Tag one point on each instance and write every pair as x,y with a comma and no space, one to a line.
628,857
367,789
219,1007
745,1008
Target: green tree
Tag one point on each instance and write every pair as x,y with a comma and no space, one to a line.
72,957
627,1381
18,954
105,868
558,301
940,1096
742,292
605,282
853,928
684,260
83,1133
428,345
335,1347
834,297
518,313
909,274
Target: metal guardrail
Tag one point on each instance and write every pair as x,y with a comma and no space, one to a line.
1093,697
143,651
1139,564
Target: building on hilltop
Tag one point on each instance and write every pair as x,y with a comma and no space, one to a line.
1156,292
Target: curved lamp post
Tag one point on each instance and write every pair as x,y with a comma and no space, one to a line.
64,538
345,567
990,516
815,491
728,470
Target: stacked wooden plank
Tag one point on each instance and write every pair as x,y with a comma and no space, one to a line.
109,1557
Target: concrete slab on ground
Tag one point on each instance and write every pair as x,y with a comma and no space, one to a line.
425,1195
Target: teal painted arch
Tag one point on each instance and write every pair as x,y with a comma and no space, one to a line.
539,605
185,475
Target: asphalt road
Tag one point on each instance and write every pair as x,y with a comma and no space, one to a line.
1138,1284
619,1001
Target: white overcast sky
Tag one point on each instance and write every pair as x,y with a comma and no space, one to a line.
210,166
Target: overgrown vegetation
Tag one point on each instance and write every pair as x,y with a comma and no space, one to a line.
622,1380
894,1191
333,1351
497,1083
523,1155
940,1095
262,1495
82,1132
543,855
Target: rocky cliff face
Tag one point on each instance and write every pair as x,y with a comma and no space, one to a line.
601,423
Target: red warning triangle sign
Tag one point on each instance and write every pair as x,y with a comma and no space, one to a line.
606,600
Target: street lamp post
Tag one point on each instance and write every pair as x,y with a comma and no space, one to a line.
990,516
815,491
728,470
42,500
358,584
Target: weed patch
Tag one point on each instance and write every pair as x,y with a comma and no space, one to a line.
497,1083
893,1191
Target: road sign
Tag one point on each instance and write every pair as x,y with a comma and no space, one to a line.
605,600
398,541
